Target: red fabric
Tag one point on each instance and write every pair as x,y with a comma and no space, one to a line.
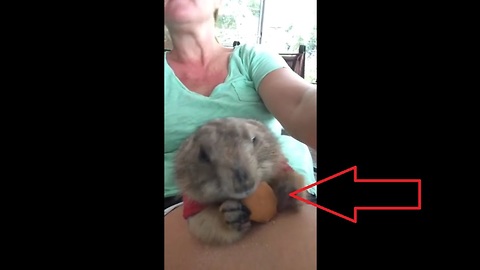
191,208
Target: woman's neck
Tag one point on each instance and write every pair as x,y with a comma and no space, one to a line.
197,46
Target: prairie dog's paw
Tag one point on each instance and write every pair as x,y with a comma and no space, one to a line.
236,215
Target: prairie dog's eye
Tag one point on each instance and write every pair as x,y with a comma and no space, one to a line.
254,139
202,156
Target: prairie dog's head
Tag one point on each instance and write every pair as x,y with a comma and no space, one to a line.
226,159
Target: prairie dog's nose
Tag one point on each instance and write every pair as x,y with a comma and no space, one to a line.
240,175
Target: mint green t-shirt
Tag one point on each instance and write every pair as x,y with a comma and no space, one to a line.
237,96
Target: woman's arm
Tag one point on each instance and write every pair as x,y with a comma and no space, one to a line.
293,101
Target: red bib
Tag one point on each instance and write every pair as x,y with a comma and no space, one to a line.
191,208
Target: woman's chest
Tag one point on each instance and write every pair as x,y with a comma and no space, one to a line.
202,82
200,78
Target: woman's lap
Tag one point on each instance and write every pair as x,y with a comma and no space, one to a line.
287,242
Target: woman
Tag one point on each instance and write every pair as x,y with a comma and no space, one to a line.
203,81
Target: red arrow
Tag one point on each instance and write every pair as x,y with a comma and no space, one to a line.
357,208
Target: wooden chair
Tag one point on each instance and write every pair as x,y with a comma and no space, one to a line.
296,61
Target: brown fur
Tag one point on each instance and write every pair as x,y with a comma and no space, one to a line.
220,164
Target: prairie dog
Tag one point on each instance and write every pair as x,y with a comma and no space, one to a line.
222,163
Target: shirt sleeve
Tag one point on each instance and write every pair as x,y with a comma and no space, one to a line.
260,62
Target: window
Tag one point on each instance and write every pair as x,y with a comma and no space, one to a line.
287,25
239,20
282,25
